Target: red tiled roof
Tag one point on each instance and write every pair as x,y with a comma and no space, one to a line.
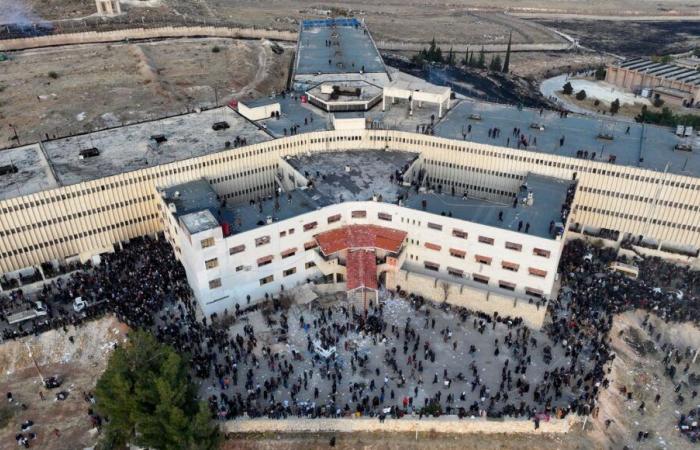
360,236
361,269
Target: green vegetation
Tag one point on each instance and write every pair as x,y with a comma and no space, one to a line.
495,63
149,400
667,118
615,106
434,54
568,88
600,73
215,49
6,415
581,95
506,63
53,75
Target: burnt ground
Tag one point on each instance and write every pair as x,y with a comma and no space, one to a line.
631,38
475,83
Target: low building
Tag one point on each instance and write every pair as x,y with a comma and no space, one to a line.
639,73
356,221
259,109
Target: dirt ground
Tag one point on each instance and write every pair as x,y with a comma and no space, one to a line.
79,363
67,90
631,38
540,65
574,440
78,8
643,374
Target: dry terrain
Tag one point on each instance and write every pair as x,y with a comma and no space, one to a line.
78,8
68,90
638,367
79,363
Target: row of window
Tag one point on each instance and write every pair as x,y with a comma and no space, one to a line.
77,215
637,218
243,173
459,273
485,260
639,198
470,187
76,236
216,282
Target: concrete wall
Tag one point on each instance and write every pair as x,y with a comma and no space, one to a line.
471,297
632,79
408,424
143,33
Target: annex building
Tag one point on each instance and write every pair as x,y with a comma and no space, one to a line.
414,190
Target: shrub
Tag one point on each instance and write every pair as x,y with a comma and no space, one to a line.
581,95
615,106
596,102
216,49
658,102
53,75
568,89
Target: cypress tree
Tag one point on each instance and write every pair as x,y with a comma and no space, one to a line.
506,62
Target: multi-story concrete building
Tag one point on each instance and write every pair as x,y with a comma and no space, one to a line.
357,220
77,197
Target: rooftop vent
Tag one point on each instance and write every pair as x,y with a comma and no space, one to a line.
88,153
347,169
268,220
537,126
8,169
172,208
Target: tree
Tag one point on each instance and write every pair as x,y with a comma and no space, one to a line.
506,62
568,88
581,95
495,64
481,63
600,73
465,61
472,63
450,58
615,106
149,400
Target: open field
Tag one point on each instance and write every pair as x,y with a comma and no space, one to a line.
78,8
79,363
631,38
67,90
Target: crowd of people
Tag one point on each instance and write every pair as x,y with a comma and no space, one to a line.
339,360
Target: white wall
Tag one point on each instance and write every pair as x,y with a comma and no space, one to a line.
238,284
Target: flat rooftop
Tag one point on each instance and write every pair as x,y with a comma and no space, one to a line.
367,91
33,172
549,195
246,216
645,146
197,205
130,148
353,175
336,46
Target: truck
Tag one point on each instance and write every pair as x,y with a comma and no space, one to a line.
37,310
80,304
